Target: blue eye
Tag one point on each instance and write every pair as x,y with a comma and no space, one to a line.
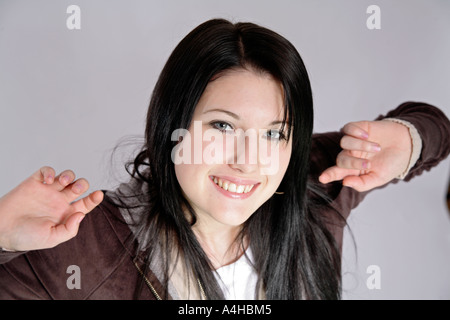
222,126
275,135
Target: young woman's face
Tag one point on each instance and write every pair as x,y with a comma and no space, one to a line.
235,154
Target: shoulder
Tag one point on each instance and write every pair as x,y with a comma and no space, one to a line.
103,241
106,224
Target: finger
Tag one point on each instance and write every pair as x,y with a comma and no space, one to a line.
67,230
336,174
346,161
88,203
75,189
357,144
45,174
360,183
63,180
355,129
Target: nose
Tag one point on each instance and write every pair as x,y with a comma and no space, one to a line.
244,157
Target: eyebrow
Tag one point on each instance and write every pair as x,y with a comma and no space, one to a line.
235,116
231,114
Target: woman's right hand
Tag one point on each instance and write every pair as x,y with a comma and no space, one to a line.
41,212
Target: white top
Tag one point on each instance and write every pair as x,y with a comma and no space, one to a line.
238,280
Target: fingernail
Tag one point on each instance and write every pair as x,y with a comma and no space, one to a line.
77,188
364,135
376,148
48,179
64,179
81,219
365,165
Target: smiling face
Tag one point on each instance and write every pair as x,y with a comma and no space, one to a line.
229,191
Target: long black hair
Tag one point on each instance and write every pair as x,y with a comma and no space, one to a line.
295,256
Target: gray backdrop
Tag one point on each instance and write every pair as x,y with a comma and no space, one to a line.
68,97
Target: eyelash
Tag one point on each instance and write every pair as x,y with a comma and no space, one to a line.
216,124
281,135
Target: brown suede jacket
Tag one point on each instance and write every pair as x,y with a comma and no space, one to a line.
104,249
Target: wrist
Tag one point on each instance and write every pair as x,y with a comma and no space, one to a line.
416,144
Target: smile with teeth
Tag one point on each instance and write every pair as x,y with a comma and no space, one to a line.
232,187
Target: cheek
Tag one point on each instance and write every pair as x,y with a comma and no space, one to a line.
214,148
201,146
182,174
283,163
274,158
285,157
188,176
190,184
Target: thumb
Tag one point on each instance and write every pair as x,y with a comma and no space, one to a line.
336,173
67,230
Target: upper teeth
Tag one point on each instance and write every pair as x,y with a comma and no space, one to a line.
232,187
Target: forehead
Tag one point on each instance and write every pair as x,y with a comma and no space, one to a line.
249,94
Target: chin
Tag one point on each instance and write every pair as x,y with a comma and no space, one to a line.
232,219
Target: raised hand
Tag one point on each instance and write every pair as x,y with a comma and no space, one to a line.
41,212
374,153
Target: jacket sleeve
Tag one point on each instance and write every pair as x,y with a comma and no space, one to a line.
102,251
6,256
433,127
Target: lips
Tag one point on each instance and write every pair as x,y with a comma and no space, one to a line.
232,187
235,188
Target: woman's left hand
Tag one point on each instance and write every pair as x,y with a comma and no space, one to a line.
374,153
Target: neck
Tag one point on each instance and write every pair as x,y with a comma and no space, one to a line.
220,244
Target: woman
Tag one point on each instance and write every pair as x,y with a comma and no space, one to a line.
193,229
